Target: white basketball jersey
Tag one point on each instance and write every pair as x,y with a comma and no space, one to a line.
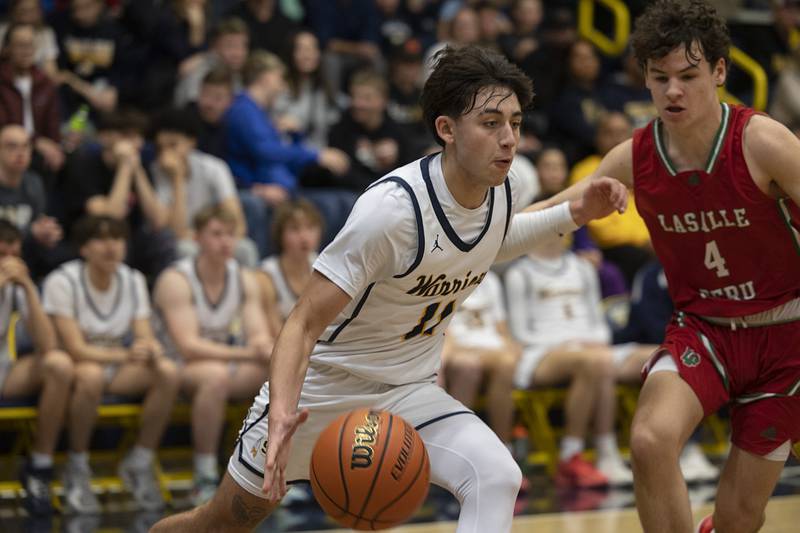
104,327
12,299
392,331
558,301
283,291
475,324
217,320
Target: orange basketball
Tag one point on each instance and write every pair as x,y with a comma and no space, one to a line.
369,470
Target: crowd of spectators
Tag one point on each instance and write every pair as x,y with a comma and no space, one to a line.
269,100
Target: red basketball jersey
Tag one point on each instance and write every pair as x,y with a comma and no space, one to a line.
726,247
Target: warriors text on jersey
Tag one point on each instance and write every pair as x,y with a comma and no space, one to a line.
727,248
419,265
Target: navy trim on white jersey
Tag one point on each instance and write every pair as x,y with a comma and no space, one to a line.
437,208
212,305
507,184
117,297
417,215
352,317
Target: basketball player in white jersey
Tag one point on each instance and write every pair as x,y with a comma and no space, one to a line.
200,303
368,329
555,311
296,232
478,346
47,372
101,311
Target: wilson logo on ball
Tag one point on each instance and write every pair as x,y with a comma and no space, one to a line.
402,459
365,437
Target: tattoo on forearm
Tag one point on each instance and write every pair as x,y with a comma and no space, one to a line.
246,515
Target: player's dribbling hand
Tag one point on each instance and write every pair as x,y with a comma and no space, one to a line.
279,439
600,199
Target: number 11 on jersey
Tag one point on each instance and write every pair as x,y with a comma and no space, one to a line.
427,315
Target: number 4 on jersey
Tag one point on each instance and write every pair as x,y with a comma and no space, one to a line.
714,260
428,314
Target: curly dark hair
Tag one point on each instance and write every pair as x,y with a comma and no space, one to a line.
667,24
460,74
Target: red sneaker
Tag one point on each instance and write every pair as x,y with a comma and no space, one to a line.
705,525
579,473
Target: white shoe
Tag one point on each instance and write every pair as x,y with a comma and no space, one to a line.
79,498
695,466
204,489
615,470
142,484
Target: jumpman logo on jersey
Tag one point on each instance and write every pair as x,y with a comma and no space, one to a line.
436,244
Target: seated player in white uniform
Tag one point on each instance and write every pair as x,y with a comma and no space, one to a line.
101,311
478,347
368,329
200,303
47,372
296,233
555,312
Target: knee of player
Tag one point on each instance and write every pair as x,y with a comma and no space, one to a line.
500,472
58,365
651,445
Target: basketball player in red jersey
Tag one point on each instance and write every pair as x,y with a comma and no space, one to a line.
718,187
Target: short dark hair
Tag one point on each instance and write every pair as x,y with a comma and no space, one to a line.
667,24
9,232
180,121
460,74
219,75
99,227
123,121
289,210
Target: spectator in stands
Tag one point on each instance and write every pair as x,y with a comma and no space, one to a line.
23,202
623,238
785,104
101,311
462,29
213,101
230,45
349,34
574,115
478,347
91,63
296,232
111,180
625,92
405,89
395,25
523,39
375,143
45,46
201,302
554,312
270,29
266,167
493,23
28,97
46,372
309,103
553,172
187,181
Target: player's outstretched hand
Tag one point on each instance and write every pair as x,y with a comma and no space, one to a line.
278,443
600,199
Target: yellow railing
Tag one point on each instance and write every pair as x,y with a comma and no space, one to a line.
756,73
622,25
12,336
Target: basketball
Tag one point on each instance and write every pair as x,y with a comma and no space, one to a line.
369,470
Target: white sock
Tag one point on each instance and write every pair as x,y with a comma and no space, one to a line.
41,460
205,465
140,457
79,459
606,446
569,447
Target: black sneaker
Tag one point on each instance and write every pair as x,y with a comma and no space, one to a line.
36,482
